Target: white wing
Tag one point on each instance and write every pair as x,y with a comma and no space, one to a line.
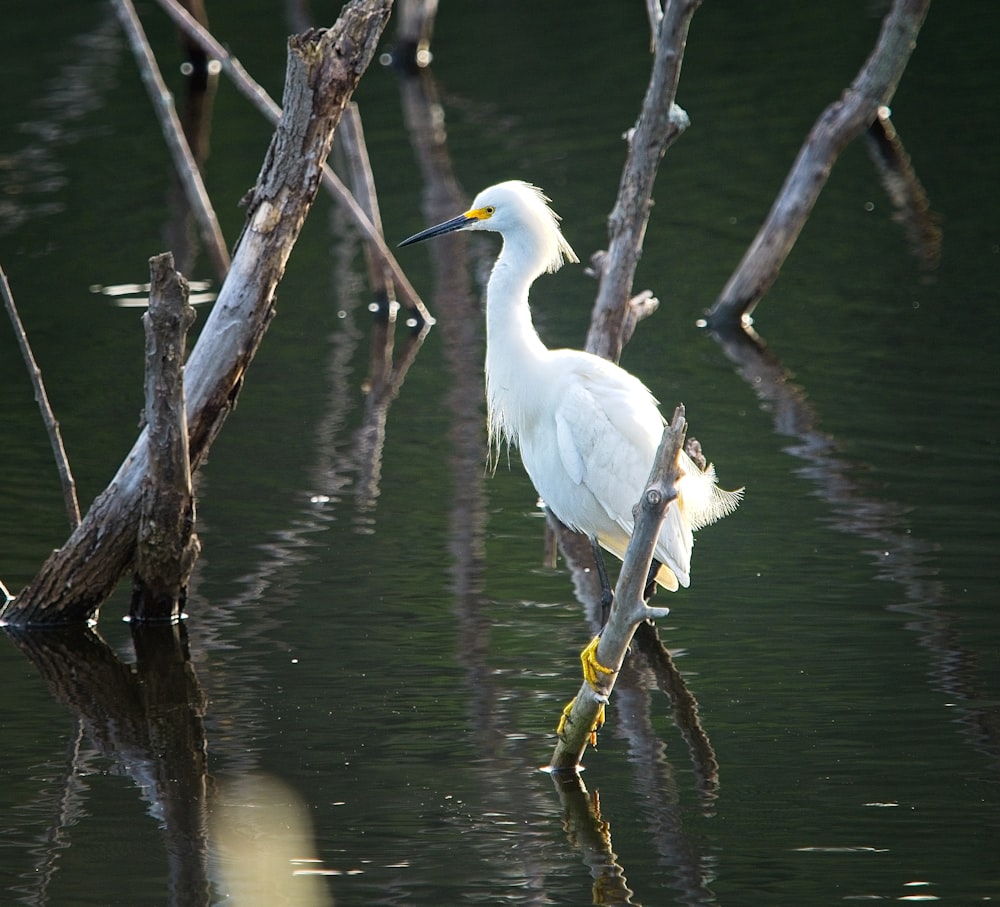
607,429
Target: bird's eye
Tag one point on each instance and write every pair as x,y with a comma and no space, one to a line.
490,210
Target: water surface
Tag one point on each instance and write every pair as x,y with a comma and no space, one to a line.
392,649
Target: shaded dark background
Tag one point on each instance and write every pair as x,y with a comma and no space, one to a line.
401,662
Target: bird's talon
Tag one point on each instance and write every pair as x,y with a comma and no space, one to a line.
564,717
598,724
592,668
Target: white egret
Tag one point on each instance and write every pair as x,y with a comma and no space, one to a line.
587,430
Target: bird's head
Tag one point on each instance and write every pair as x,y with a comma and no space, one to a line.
520,213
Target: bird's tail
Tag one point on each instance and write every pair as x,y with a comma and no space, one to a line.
703,501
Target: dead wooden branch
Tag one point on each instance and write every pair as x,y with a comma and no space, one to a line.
660,123
167,546
629,608
42,398
173,132
324,67
837,126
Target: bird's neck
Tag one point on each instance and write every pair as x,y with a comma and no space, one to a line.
514,351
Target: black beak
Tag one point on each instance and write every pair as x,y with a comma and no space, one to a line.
449,226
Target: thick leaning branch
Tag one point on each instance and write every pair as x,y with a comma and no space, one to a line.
629,608
324,67
838,126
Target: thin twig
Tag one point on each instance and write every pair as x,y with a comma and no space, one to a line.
173,132
51,425
331,182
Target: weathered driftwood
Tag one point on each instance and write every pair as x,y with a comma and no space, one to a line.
629,608
660,123
173,133
42,398
324,67
167,547
837,126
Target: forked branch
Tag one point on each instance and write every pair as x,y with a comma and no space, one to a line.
660,123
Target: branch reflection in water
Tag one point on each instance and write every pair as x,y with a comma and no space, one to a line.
146,720
900,557
648,667
513,813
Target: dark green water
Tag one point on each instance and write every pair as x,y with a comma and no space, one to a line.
399,661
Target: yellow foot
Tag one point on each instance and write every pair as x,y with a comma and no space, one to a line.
564,717
591,666
598,724
564,720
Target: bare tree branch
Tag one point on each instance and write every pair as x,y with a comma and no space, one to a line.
331,182
585,713
660,123
837,126
168,546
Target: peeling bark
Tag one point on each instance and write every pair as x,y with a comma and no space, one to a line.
167,544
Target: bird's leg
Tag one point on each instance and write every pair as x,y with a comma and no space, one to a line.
607,593
650,588
592,668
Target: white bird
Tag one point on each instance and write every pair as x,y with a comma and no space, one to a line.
587,430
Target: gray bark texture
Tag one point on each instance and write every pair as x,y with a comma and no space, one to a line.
660,123
167,544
